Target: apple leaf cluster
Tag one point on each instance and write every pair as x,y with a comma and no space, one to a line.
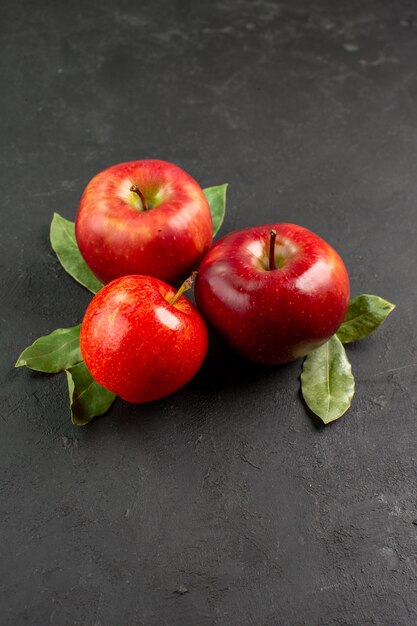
327,382
60,351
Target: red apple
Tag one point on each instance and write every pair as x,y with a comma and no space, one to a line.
143,217
273,300
141,339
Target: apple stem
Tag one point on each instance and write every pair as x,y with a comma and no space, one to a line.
187,284
136,189
272,250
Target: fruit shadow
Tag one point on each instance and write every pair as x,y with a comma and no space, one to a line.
224,370
223,375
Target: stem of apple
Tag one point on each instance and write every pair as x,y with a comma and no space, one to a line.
187,284
136,189
272,250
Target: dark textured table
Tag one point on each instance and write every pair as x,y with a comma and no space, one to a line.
225,504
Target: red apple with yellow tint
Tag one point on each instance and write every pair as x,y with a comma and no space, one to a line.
143,217
141,339
274,292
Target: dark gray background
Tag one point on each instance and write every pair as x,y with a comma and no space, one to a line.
228,488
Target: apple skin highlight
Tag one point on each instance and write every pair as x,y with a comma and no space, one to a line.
118,236
138,345
273,316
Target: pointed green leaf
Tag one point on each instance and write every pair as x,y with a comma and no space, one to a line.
65,246
216,197
327,382
364,315
88,399
53,353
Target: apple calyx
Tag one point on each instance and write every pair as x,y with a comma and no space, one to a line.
186,285
136,190
273,236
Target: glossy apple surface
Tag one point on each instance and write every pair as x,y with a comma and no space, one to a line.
273,316
138,345
143,217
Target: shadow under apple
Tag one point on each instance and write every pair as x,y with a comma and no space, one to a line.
225,378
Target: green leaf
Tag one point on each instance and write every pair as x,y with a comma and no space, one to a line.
364,315
53,353
65,246
216,197
327,382
88,399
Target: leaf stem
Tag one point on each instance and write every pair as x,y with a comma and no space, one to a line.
273,236
136,189
187,284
